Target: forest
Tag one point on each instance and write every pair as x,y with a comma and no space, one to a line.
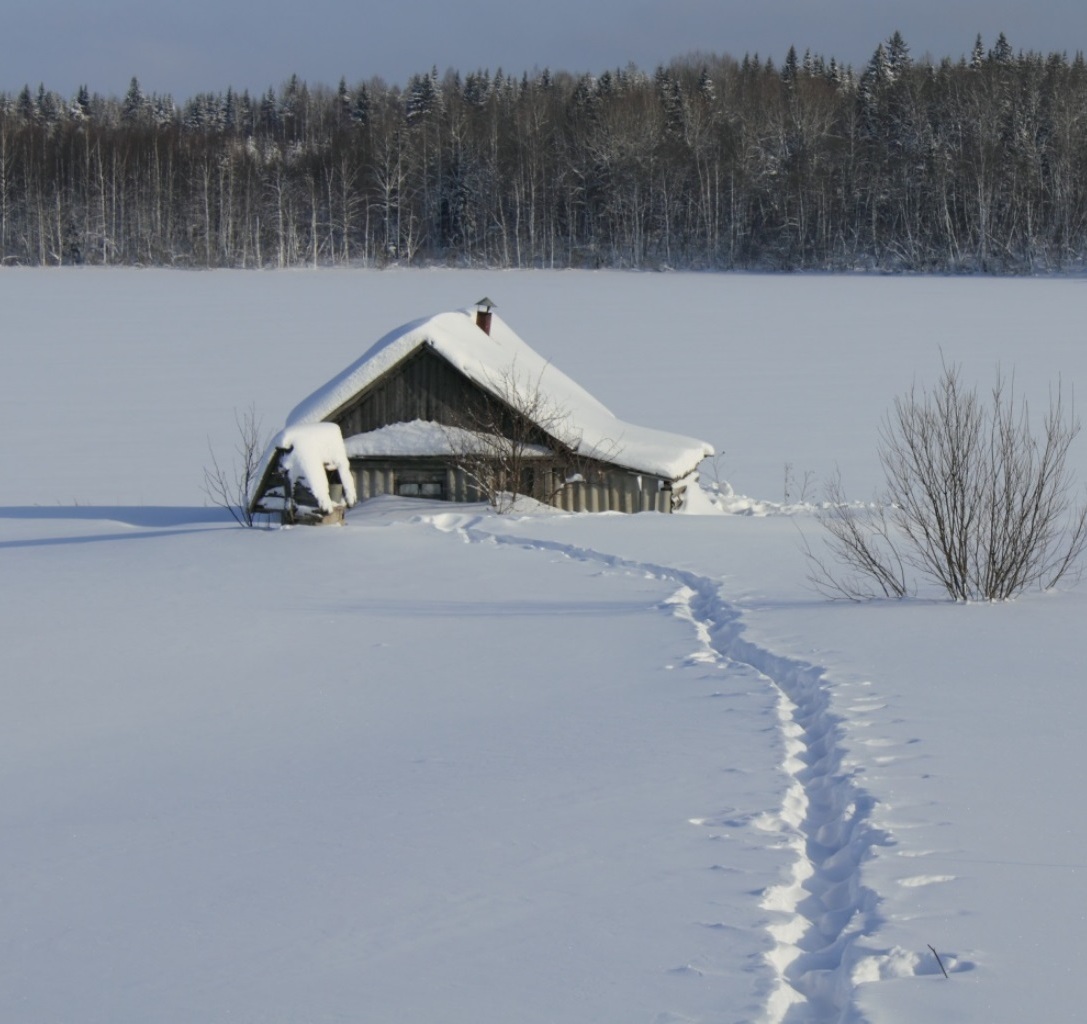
973,165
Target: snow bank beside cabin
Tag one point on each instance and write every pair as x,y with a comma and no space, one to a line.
307,454
501,362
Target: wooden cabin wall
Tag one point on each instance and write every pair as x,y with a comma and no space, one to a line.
384,476
617,492
423,387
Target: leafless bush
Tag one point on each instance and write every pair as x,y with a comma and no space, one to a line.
802,488
974,500
229,487
861,542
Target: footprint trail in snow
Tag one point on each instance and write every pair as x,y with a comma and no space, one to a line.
822,909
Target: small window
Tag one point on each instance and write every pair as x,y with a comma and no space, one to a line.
417,488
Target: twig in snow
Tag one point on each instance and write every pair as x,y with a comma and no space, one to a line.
940,962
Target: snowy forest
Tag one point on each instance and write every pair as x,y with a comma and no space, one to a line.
974,165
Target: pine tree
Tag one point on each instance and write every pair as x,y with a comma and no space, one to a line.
343,102
49,107
672,101
1002,53
269,112
230,111
477,88
706,89
879,71
898,54
360,106
133,107
977,55
24,106
424,96
790,68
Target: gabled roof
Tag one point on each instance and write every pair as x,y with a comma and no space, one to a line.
494,361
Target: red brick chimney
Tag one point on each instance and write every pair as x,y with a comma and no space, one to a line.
483,315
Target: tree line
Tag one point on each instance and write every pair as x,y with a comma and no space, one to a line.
974,165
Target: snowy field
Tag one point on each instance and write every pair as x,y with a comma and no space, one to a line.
441,766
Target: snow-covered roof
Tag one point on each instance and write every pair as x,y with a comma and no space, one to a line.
496,360
306,452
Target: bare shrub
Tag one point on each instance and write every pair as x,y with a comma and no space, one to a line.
974,500
800,488
230,486
861,542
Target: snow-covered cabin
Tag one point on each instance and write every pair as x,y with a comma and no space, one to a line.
457,407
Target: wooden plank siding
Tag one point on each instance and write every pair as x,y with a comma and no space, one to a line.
608,490
617,493
388,476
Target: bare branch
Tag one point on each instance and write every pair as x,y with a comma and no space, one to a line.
517,441
974,500
230,487
860,541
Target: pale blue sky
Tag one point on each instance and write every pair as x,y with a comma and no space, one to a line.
206,45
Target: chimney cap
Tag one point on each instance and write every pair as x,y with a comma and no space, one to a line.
486,305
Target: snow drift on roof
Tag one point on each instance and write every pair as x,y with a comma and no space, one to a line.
420,439
496,361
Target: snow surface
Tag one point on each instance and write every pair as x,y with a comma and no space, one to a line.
438,765
501,363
